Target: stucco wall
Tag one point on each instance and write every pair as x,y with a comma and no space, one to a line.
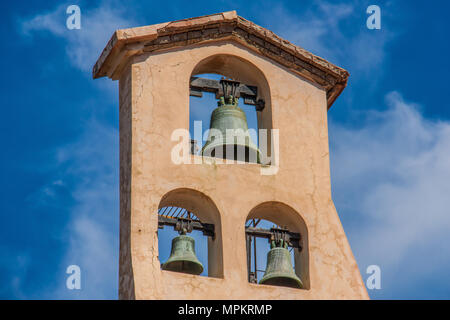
159,104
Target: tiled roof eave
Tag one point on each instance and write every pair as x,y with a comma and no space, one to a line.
223,26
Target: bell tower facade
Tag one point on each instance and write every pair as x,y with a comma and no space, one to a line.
291,89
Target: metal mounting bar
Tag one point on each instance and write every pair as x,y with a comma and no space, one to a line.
248,93
206,228
252,276
292,238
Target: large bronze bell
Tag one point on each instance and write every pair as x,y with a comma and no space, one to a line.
279,270
182,256
229,137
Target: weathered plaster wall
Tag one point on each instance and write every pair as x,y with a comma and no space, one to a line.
159,86
126,281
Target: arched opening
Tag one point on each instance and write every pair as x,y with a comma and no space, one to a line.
254,100
261,223
201,110
182,207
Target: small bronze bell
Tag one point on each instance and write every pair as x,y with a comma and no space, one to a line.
229,137
279,270
182,256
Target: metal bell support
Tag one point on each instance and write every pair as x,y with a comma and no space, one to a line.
182,254
279,270
228,137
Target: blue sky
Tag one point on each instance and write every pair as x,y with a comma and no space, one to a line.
389,138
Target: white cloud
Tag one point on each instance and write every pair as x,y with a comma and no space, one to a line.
336,32
16,266
92,230
83,46
51,21
88,168
391,185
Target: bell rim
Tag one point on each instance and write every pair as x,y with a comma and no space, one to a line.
198,267
273,275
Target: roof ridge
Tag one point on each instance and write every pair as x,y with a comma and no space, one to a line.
214,27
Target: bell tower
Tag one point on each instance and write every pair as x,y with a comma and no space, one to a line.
283,178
